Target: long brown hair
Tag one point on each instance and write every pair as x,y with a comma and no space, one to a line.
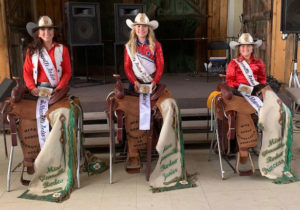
133,37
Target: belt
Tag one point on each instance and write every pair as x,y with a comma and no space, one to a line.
44,84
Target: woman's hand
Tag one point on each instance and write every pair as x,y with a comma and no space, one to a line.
153,84
136,86
54,91
35,92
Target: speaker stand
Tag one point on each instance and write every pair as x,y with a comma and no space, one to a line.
88,81
115,56
294,74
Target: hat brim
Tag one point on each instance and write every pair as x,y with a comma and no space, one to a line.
32,27
153,23
234,44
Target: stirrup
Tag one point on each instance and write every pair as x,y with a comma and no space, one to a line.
244,173
133,169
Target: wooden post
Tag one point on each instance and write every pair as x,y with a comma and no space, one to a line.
282,50
4,59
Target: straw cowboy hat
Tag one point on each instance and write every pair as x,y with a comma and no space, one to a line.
44,22
142,19
245,38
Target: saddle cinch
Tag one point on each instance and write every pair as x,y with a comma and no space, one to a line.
125,106
19,111
236,121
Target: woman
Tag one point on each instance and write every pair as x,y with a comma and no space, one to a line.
143,56
47,63
237,69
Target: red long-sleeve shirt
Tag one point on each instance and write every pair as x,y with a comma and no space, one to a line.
144,49
42,77
235,76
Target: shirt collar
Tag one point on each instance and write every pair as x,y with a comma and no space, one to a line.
139,43
55,44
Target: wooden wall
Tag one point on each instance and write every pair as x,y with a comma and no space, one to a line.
217,23
55,10
257,21
17,14
282,50
4,60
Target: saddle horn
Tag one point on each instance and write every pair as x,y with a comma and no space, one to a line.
18,91
119,87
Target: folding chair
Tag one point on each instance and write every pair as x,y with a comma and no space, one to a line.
217,65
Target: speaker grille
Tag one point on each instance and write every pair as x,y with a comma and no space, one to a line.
290,16
123,12
83,23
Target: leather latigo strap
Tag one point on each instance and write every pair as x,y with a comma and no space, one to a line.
120,116
13,129
231,115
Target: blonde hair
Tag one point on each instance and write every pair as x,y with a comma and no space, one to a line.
133,37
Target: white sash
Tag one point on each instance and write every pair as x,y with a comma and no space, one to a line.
247,71
48,67
139,69
58,52
145,108
254,101
42,121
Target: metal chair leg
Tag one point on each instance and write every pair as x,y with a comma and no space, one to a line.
111,140
212,126
220,156
9,168
149,153
79,132
211,147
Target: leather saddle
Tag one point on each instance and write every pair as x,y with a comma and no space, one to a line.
236,120
122,106
120,92
19,112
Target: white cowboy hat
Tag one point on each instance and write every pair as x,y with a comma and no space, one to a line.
44,22
142,19
245,38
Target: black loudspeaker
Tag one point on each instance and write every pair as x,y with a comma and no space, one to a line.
290,16
6,87
123,12
83,21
